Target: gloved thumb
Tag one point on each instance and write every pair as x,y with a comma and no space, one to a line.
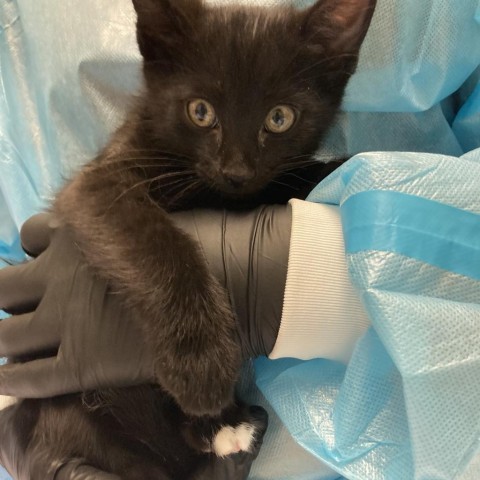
36,233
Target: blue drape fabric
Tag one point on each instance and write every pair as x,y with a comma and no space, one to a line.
407,405
67,73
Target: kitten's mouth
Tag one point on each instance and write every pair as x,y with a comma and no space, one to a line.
234,189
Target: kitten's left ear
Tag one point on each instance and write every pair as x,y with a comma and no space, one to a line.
338,26
164,28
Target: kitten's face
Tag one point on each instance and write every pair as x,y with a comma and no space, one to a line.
245,93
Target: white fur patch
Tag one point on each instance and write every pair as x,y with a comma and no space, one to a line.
230,440
6,401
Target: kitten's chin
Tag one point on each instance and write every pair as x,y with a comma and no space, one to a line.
248,190
244,199
238,194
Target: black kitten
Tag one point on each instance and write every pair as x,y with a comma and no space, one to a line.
236,101
234,96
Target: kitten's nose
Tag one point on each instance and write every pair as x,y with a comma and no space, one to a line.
237,175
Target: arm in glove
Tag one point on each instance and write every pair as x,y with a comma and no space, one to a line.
68,316
72,333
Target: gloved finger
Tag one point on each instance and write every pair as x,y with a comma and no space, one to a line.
52,376
36,233
77,470
42,378
21,288
27,334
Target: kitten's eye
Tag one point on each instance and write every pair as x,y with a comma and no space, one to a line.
280,119
201,113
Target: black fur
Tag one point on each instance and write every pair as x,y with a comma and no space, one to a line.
140,434
244,61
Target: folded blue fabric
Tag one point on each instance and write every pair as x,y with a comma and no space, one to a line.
67,69
407,405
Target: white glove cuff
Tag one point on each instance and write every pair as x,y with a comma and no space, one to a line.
322,316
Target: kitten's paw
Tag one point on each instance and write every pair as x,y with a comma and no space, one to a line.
230,439
244,436
238,430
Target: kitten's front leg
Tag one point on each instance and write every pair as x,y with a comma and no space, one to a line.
131,241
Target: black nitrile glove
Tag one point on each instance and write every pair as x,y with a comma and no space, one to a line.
69,317
88,340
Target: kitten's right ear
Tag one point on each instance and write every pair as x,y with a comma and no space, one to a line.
164,27
338,26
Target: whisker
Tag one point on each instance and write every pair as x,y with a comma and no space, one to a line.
168,186
296,165
138,184
142,154
166,174
157,151
285,184
296,162
303,155
299,177
167,161
175,174
195,184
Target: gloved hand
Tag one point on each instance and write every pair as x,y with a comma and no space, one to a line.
69,316
86,337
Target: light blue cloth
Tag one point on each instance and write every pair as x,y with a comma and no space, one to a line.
408,404
67,69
